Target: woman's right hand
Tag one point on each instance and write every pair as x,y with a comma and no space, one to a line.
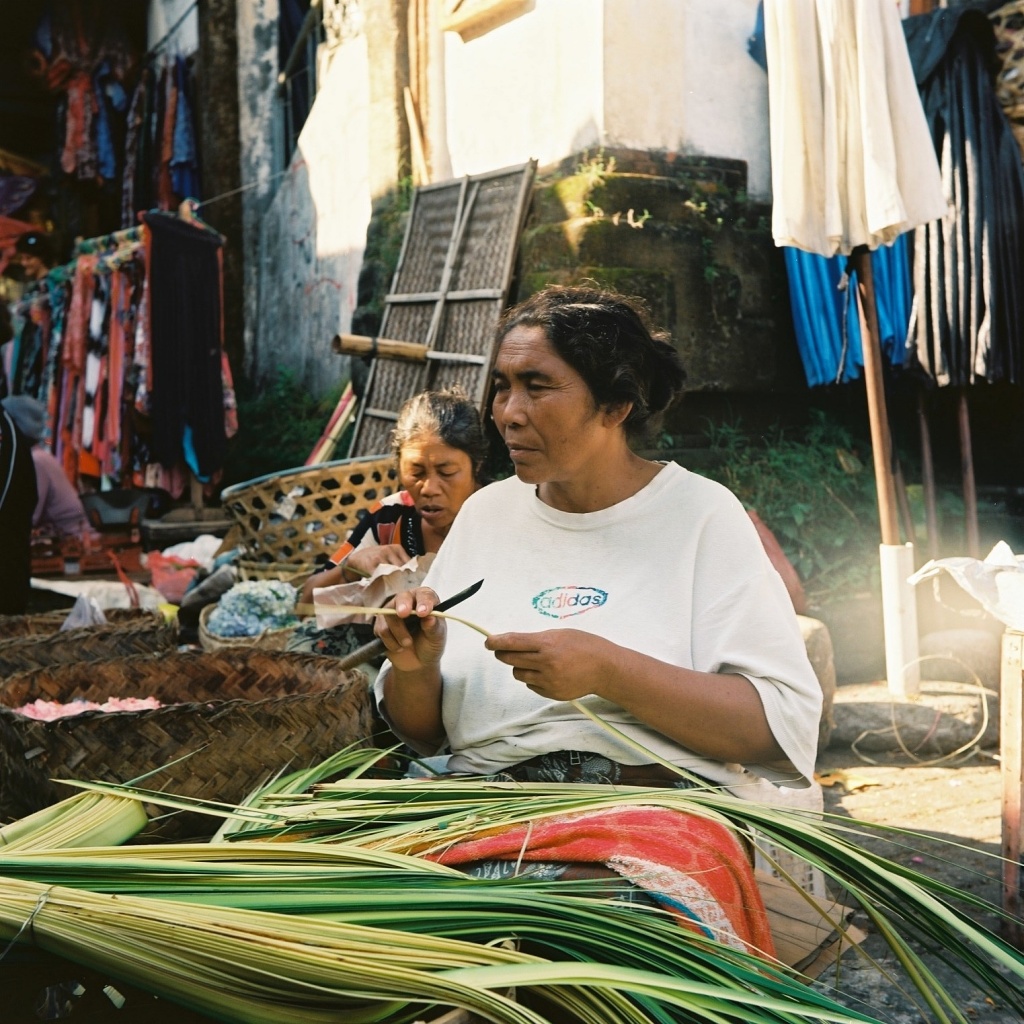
414,639
363,561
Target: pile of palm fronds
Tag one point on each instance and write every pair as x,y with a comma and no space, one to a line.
310,906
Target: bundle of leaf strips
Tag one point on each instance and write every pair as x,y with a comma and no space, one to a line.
367,909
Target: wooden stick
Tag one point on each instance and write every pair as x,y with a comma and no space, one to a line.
1011,767
931,515
967,475
387,348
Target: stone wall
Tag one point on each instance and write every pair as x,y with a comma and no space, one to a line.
681,233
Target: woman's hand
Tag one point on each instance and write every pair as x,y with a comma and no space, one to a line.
415,639
326,578
560,664
363,561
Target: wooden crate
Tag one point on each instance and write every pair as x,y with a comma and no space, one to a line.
1011,751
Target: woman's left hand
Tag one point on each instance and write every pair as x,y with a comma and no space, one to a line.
559,664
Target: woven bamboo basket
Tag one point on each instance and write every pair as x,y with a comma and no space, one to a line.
288,572
241,715
268,640
296,515
121,637
50,622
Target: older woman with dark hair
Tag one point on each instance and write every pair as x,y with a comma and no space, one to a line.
636,588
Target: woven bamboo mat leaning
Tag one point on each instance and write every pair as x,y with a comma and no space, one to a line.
240,715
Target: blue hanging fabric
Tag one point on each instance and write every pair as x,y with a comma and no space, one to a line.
825,313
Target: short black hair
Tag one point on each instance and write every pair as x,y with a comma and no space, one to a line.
608,339
449,415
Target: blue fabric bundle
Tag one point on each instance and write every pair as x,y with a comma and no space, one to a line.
821,311
251,608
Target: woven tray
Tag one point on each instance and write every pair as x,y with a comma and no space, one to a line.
120,638
268,640
246,714
298,514
50,622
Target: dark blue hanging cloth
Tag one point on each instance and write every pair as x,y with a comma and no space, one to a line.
968,322
825,314
188,395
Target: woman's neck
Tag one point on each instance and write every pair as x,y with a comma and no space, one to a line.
614,483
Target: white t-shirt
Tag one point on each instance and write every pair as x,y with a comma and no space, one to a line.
676,571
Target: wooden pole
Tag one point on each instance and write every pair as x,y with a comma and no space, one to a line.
1011,756
387,348
967,475
881,445
931,515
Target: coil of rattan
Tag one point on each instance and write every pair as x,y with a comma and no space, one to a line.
299,514
120,638
242,715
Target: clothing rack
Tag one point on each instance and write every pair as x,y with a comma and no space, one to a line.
104,243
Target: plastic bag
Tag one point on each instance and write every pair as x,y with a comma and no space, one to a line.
170,574
386,581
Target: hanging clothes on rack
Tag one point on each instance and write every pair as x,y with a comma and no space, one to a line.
127,405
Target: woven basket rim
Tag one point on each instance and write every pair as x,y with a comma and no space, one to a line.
210,705
235,489
213,706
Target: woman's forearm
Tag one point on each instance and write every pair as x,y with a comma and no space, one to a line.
717,715
412,701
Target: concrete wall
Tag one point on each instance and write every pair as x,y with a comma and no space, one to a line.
257,82
163,15
678,77
670,75
314,231
531,87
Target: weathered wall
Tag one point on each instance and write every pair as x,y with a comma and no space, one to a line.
314,231
680,233
217,72
257,81
163,15
668,75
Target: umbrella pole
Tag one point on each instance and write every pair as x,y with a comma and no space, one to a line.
899,603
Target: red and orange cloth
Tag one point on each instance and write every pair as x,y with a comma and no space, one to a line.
696,869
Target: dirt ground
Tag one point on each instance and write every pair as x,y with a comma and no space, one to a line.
958,804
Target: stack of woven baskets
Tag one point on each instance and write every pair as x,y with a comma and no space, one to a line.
286,521
228,721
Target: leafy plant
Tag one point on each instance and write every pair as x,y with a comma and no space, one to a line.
814,491
278,424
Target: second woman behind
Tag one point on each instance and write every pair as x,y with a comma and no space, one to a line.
440,448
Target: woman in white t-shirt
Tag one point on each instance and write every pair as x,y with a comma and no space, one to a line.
635,587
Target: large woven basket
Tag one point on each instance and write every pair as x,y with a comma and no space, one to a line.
121,637
242,715
269,639
50,622
299,514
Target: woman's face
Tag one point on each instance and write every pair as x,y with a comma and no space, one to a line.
546,413
439,478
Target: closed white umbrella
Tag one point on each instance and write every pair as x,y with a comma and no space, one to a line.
853,167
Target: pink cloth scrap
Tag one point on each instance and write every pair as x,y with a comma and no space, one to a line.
50,710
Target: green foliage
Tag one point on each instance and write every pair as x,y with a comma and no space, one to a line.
815,493
278,424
